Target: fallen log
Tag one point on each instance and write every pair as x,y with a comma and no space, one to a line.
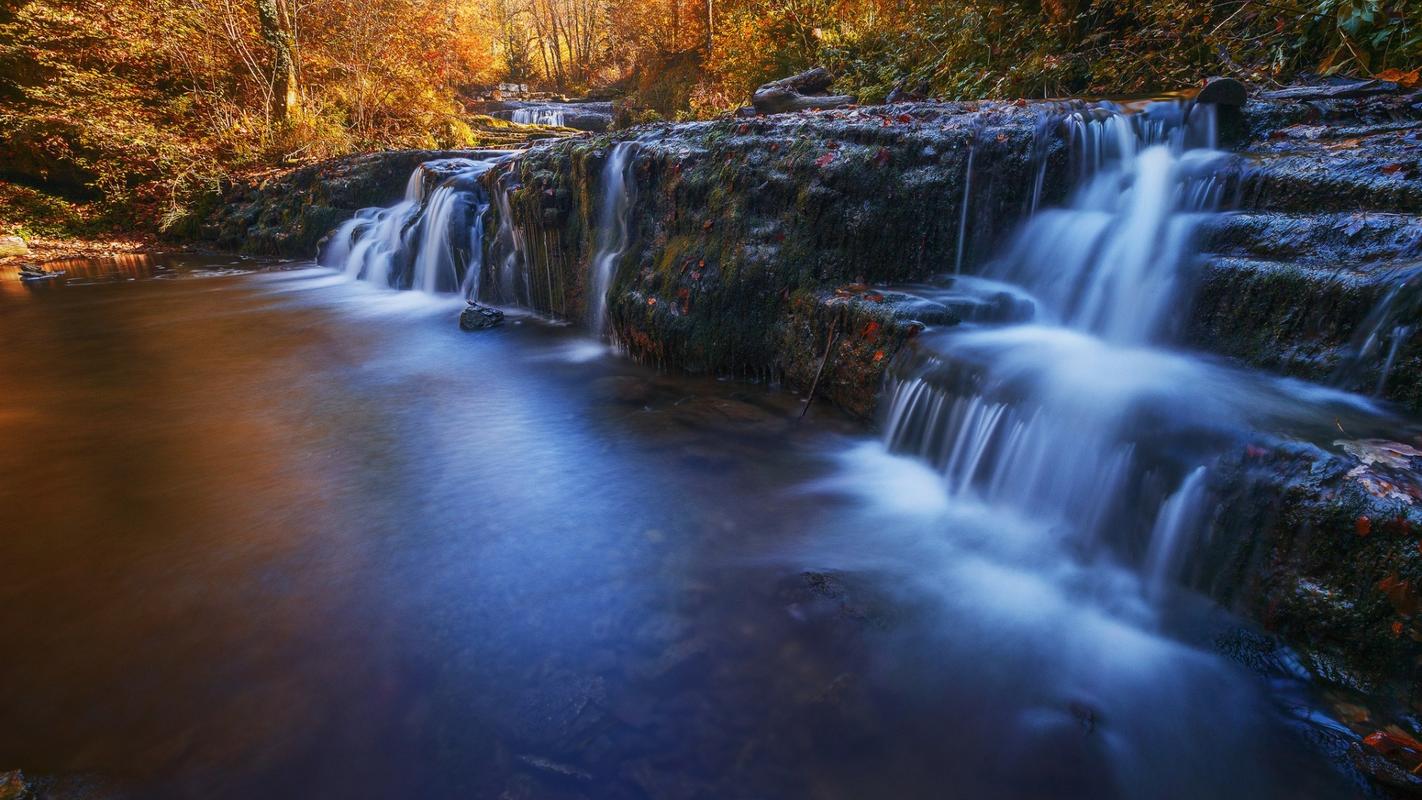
801,92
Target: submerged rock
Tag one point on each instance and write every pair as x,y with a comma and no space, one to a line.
476,317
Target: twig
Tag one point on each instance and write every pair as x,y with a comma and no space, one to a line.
829,348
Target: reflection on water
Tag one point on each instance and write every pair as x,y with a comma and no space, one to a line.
281,535
129,267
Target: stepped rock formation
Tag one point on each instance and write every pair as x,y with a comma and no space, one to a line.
780,248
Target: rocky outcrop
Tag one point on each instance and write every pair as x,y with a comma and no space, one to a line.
1329,223
287,213
751,239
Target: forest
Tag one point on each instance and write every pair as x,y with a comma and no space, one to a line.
122,113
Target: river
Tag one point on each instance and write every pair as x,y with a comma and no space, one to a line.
270,531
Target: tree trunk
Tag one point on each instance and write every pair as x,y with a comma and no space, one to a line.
286,99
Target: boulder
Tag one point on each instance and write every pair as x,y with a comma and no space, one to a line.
1223,92
477,317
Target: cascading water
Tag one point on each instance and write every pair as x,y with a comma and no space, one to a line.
539,116
514,285
431,241
1390,325
613,231
1056,404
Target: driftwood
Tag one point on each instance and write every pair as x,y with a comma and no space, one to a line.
1340,90
798,93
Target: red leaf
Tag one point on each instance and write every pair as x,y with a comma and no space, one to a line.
1363,526
824,160
883,157
1393,169
905,118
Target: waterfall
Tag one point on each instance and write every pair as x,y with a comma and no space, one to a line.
1062,407
508,253
967,197
539,116
431,241
1387,327
613,231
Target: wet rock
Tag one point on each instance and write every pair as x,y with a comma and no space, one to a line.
288,213
12,246
1384,770
1224,92
478,317
1290,552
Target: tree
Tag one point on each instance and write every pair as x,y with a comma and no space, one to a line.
285,98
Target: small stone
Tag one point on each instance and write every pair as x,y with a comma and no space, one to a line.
12,246
1223,92
477,317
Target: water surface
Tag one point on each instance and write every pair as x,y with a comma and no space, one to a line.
281,534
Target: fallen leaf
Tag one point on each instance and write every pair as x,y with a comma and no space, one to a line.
1391,740
1407,79
905,118
1393,169
1363,526
824,160
883,157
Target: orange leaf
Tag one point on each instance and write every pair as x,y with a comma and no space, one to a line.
1407,79
1363,526
824,160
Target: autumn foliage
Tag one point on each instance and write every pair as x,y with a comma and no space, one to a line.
135,107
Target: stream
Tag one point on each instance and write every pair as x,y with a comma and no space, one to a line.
274,532
282,529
